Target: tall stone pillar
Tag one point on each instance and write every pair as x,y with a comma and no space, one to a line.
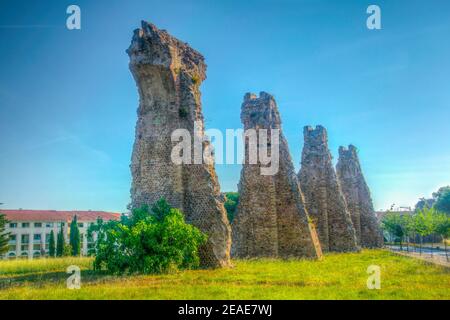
168,74
324,199
271,220
357,195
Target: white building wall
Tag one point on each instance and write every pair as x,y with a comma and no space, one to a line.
45,229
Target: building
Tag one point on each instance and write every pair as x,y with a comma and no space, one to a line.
30,229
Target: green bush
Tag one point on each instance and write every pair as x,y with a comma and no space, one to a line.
149,241
231,202
67,250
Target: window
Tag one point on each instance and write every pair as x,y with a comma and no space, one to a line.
38,225
36,247
81,225
25,238
12,237
12,247
49,224
37,237
25,224
13,225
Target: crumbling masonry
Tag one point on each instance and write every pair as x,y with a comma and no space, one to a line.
324,199
271,220
168,74
357,195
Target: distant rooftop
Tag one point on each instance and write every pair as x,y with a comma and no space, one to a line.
54,215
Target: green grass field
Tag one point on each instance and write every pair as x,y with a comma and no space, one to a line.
337,276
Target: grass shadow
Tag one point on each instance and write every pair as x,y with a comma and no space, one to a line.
40,279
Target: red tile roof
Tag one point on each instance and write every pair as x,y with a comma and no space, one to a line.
53,215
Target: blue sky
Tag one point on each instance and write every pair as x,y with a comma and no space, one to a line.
68,101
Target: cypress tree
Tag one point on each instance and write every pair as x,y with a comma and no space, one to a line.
60,242
75,237
4,237
51,246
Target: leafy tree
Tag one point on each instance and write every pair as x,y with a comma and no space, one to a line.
74,239
442,200
424,203
424,223
150,241
94,229
394,224
51,245
440,192
231,202
4,237
60,242
407,223
442,228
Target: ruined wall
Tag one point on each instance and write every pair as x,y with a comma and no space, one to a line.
324,199
168,74
359,201
271,220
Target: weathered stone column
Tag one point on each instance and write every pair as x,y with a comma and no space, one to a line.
357,195
271,220
168,74
324,199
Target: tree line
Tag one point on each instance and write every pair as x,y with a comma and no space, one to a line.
430,217
61,248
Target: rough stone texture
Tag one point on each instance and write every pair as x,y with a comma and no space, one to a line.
324,199
271,220
357,195
168,74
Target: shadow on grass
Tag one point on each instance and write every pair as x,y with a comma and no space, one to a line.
38,279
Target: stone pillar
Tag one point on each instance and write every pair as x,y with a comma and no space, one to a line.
357,195
168,74
271,220
324,199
